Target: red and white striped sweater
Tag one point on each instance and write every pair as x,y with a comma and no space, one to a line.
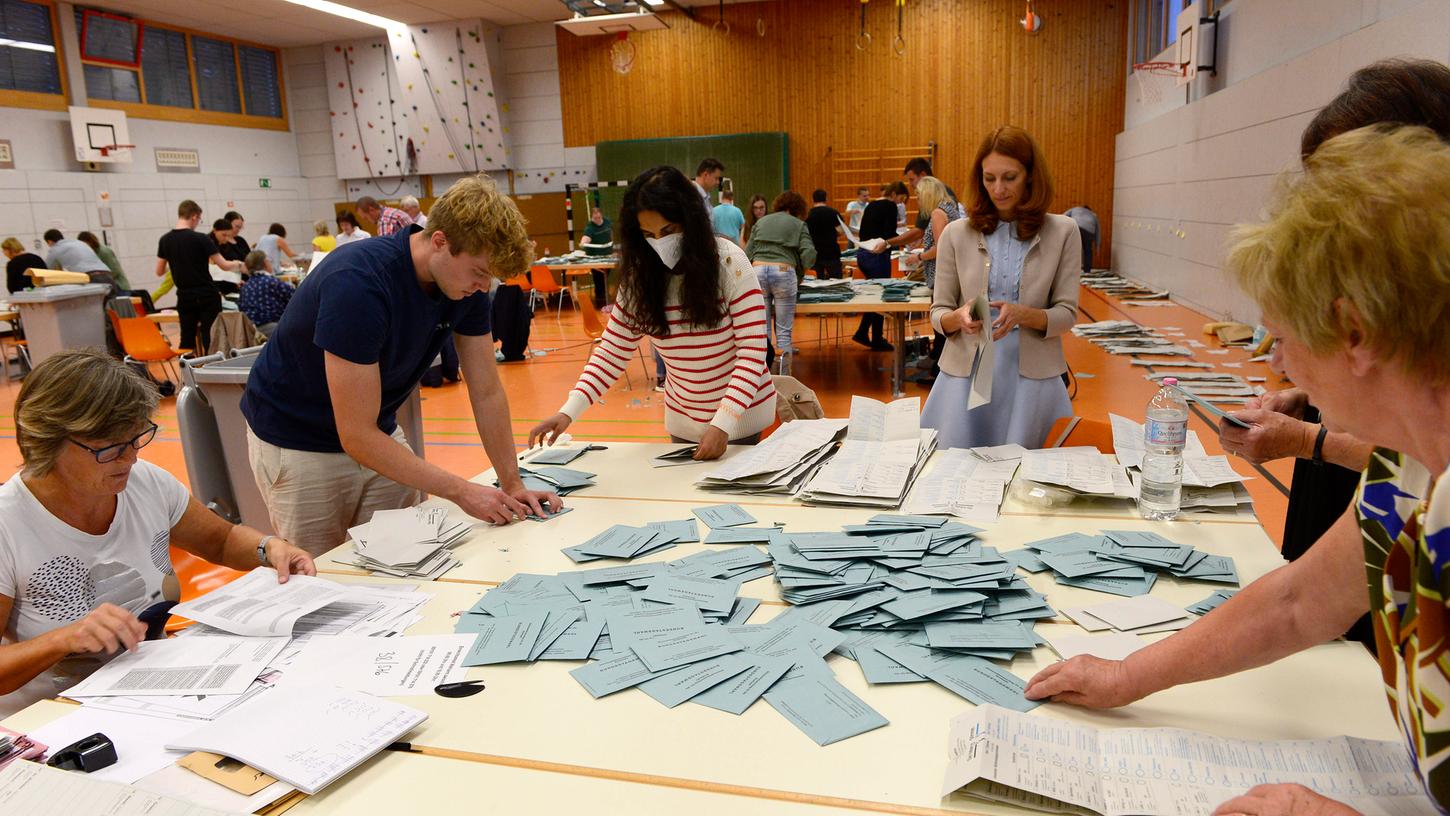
715,375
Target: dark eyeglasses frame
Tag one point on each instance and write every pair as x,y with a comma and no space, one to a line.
110,453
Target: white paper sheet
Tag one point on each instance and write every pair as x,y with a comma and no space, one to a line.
986,355
257,606
190,665
307,737
386,667
1013,758
140,740
32,788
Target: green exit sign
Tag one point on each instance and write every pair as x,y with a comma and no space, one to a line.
264,183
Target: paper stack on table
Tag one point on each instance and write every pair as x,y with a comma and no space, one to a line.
1127,562
621,542
308,737
885,449
781,464
33,788
1127,337
195,665
257,605
1084,471
413,542
1050,765
961,484
554,479
815,290
1209,482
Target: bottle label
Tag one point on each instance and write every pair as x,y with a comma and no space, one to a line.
1170,434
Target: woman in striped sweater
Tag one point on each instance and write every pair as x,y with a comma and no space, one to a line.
698,299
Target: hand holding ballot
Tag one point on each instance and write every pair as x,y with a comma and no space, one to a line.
286,558
1269,436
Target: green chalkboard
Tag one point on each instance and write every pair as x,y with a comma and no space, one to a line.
754,162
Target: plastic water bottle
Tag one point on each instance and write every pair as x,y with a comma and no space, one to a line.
1164,435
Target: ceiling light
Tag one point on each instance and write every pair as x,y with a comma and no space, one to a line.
31,46
350,13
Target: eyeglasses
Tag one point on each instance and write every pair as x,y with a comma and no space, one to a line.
111,453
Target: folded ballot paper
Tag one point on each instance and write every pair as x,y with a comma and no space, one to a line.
1084,471
780,464
1127,562
1049,765
885,449
413,542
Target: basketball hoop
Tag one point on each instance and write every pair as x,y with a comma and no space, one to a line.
1150,76
106,149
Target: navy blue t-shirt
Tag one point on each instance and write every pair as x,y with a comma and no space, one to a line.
364,304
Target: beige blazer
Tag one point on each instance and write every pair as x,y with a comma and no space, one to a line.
1050,277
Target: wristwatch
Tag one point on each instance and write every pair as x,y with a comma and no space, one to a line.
1319,445
262,549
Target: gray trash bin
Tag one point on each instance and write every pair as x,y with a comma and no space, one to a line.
57,318
214,436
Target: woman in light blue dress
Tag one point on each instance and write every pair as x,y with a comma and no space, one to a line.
1028,263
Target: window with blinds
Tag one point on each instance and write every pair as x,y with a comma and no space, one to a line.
27,59
163,64
261,86
109,38
216,75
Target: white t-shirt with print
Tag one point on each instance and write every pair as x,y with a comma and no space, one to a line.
57,574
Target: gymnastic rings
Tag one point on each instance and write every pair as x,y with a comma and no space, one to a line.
863,41
760,26
721,26
899,45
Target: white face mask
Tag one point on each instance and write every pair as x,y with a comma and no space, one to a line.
668,248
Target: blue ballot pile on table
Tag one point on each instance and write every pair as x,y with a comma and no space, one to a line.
909,598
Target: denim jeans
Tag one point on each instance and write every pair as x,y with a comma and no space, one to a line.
779,286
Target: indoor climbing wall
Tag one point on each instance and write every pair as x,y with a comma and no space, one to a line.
370,122
447,89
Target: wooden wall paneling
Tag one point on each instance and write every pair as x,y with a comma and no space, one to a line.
968,68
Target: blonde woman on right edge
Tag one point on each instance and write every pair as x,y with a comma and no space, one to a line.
1027,262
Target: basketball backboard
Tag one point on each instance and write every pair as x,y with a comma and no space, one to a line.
1188,43
100,135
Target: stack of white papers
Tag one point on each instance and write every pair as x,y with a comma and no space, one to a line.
1209,482
306,737
962,484
1127,337
30,787
780,464
385,667
256,605
410,543
194,665
1049,765
1082,470
885,449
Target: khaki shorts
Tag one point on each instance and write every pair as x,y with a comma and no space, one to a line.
313,498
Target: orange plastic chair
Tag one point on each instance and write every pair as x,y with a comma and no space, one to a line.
594,327
144,343
1079,432
521,280
545,287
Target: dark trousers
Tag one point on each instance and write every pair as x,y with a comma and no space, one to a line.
601,287
1088,239
829,268
873,266
196,310
511,322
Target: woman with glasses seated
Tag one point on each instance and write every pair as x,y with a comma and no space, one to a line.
86,526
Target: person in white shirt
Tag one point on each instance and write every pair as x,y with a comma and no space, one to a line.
707,179
348,230
86,528
855,208
409,205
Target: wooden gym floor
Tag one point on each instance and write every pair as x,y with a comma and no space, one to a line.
834,368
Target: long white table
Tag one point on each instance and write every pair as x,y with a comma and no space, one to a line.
534,740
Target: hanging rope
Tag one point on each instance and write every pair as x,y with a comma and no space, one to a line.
468,112
720,24
437,106
392,114
899,44
863,39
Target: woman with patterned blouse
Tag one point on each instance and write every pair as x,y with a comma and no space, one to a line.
1352,272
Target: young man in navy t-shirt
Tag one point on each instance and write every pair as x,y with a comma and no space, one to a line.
322,398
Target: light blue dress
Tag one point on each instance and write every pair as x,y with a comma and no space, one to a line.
268,244
1022,409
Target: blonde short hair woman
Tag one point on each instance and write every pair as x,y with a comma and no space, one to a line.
1352,272
86,527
